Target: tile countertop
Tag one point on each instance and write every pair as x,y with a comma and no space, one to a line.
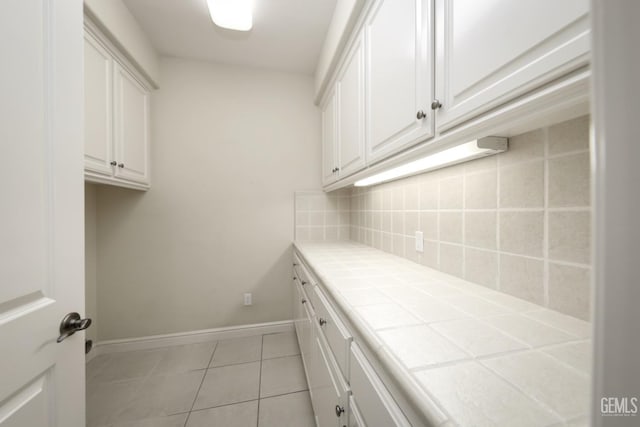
462,353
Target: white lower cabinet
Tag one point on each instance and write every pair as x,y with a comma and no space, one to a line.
303,316
345,389
329,390
376,407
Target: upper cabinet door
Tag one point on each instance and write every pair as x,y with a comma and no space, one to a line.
329,136
131,127
399,75
351,111
489,52
98,126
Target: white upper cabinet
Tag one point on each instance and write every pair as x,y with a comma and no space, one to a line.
132,127
489,52
399,76
329,140
351,111
98,150
116,115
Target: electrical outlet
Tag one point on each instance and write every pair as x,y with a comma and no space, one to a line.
247,299
419,241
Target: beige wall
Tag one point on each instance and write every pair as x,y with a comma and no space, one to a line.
518,222
90,257
230,146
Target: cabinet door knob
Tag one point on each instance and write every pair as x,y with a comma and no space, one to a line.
113,163
322,322
303,283
421,115
339,410
304,301
120,165
436,104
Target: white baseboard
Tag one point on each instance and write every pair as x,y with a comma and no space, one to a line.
191,337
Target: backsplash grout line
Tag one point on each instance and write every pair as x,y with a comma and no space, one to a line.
545,241
515,222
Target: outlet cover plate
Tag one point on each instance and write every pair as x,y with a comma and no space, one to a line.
419,241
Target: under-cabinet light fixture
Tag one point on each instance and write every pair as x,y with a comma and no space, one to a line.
460,153
232,14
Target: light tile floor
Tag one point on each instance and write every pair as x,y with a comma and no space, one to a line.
245,382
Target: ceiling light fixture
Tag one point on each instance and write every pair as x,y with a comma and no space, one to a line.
468,151
232,14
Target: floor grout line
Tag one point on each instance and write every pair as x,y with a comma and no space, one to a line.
260,382
205,369
200,387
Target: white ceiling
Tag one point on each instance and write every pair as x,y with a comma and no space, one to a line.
287,34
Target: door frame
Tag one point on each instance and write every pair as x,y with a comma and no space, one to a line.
616,173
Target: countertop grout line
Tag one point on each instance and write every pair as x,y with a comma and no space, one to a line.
374,340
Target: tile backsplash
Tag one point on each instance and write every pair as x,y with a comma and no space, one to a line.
518,222
322,216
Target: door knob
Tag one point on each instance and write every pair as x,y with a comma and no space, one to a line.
120,165
72,323
421,115
339,411
322,321
113,163
436,104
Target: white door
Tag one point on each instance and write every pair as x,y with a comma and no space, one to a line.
399,81
131,126
329,135
351,111
41,214
98,107
489,52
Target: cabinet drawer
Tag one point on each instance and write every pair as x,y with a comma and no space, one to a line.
375,405
304,300
302,282
302,276
329,390
334,330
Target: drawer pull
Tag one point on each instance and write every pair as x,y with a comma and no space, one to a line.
339,410
322,321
